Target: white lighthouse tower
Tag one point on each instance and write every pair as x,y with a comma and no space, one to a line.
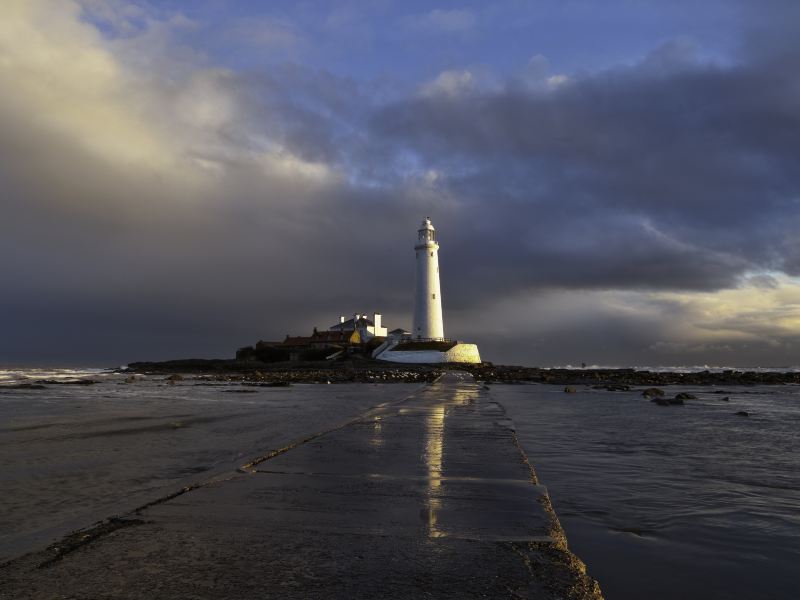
428,324
428,299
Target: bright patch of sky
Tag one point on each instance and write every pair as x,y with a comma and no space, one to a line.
409,42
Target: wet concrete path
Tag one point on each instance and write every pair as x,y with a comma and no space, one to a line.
431,497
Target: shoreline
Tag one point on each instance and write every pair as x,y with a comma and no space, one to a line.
371,371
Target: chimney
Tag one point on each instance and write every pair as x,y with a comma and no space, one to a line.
377,320
341,319
356,317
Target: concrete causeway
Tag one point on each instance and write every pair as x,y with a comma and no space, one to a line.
431,497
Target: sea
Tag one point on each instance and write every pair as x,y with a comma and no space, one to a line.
690,502
660,502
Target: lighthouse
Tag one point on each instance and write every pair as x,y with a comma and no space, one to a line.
428,326
428,299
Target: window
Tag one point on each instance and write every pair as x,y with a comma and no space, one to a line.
434,296
431,254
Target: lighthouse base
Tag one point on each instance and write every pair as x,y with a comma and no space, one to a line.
459,353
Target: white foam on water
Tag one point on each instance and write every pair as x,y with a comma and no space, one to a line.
21,375
683,368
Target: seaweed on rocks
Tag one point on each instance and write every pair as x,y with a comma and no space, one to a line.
354,370
617,378
284,374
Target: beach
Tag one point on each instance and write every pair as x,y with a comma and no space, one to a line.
399,490
74,455
691,499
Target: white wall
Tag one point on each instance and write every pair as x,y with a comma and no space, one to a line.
460,353
463,353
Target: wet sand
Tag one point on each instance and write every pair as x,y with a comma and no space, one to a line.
73,455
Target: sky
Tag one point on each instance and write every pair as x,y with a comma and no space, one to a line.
613,183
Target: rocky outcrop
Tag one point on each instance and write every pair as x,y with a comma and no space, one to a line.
613,387
488,372
209,372
608,379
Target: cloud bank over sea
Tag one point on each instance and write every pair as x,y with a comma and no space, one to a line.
181,181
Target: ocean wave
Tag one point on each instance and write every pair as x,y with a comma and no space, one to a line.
23,374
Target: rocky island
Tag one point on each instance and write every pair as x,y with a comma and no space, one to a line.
363,369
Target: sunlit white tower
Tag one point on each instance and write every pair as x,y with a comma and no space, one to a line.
428,299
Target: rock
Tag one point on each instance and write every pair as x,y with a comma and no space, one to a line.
570,390
613,387
130,379
175,377
653,393
676,400
685,396
24,386
661,401
743,413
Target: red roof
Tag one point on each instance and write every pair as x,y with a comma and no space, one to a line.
297,341
317,337
331,336
262,344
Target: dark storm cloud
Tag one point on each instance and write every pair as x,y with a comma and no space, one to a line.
681,177
235,206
